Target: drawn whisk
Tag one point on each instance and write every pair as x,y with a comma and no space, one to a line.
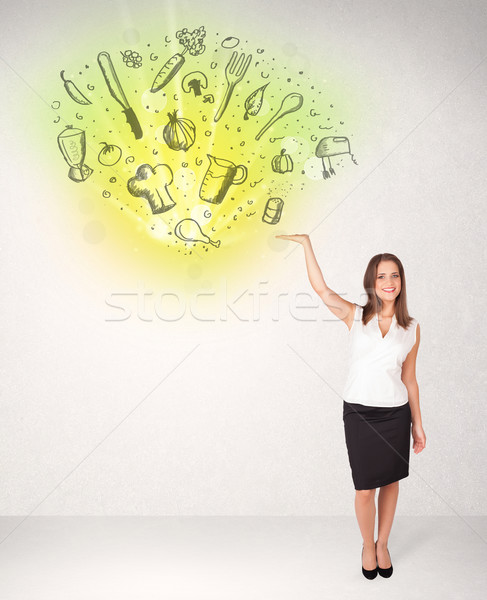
234,73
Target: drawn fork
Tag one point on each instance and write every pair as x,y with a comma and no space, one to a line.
234,73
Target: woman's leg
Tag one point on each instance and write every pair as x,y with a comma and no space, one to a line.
365,511
387,503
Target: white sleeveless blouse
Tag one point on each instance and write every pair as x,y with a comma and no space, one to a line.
375,363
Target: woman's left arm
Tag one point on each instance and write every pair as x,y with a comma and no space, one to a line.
408,377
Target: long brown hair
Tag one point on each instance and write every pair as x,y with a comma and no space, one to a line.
374,303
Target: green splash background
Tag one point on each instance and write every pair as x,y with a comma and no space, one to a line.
237,221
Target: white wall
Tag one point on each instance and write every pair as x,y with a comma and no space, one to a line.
244,415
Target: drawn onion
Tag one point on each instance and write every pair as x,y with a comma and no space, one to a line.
179,133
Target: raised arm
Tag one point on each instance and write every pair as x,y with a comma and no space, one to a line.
340,307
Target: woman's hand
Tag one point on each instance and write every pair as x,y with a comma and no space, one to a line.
419,438
297,237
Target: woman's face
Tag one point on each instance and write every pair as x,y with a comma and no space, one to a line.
387,281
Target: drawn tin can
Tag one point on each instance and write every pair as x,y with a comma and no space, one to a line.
272,211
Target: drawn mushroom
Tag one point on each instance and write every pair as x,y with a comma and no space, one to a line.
196,81
332,146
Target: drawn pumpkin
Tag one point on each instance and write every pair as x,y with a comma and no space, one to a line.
179,133
282,163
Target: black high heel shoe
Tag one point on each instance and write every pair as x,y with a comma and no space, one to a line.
384,572
369,573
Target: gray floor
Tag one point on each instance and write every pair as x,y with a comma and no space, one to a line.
229,558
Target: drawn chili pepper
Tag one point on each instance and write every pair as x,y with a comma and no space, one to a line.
73,91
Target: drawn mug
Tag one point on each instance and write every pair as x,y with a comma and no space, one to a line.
221,174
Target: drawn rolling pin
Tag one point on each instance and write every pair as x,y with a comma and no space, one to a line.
117,92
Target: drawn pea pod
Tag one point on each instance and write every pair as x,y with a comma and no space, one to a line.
73,92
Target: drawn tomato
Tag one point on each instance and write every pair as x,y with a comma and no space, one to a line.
109,155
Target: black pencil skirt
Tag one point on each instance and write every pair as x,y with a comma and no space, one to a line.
378,441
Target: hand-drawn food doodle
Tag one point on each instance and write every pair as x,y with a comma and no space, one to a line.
109,155
189,230
132,59
196,81
291,103
204,99
192,43
72,143
73,92
117,92
221,174
151,184
179,133
234,73
282,163
332,146
230,43
273,211
253,104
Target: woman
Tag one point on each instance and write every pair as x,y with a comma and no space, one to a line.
381,396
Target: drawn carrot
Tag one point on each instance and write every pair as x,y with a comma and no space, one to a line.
192,43
170,68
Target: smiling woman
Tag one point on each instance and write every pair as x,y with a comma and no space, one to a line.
381,395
